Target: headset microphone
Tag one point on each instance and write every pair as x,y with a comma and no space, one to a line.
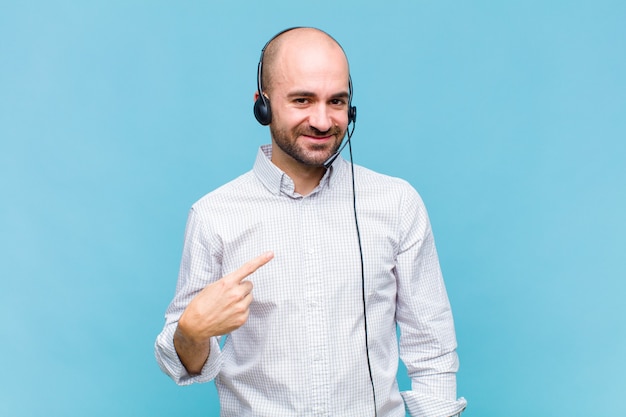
334,156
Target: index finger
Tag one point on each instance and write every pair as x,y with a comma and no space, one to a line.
249,267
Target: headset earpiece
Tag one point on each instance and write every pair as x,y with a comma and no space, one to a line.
351,108
262,110
352,114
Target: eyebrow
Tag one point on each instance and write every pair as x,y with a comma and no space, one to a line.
343,94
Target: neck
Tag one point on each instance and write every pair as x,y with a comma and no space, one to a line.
305,178
305,182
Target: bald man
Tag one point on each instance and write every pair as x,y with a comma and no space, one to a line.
285,300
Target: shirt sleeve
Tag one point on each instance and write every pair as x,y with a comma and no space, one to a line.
200,265
427,336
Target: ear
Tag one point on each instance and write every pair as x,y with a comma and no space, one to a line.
256,95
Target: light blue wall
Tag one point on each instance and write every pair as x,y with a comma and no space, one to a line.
508,117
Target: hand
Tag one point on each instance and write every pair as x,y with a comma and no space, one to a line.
222,306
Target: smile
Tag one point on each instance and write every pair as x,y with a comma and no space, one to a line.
327,137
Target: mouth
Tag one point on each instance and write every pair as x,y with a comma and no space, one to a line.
318,138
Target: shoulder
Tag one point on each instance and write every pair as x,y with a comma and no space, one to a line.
390,203
373,177
228,195
385,187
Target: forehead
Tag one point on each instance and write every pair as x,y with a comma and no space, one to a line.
313,63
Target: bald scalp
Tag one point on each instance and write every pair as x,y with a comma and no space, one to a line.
276,49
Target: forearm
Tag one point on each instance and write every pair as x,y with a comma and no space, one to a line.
192,353
170,362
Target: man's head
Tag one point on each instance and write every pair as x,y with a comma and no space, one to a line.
305,76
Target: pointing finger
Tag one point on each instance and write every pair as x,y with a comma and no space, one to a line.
252,265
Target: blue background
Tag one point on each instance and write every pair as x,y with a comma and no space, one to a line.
508,117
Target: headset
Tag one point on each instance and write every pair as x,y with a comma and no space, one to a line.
263,114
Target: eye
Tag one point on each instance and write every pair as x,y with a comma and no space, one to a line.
301,100
337,102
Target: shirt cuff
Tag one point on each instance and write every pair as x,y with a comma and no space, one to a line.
420,405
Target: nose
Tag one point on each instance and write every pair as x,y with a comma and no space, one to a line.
320,118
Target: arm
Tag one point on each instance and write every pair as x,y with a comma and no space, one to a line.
218,309
427,336
205,306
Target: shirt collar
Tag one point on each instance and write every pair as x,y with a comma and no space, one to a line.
277,182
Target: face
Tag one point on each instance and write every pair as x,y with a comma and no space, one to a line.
309,99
